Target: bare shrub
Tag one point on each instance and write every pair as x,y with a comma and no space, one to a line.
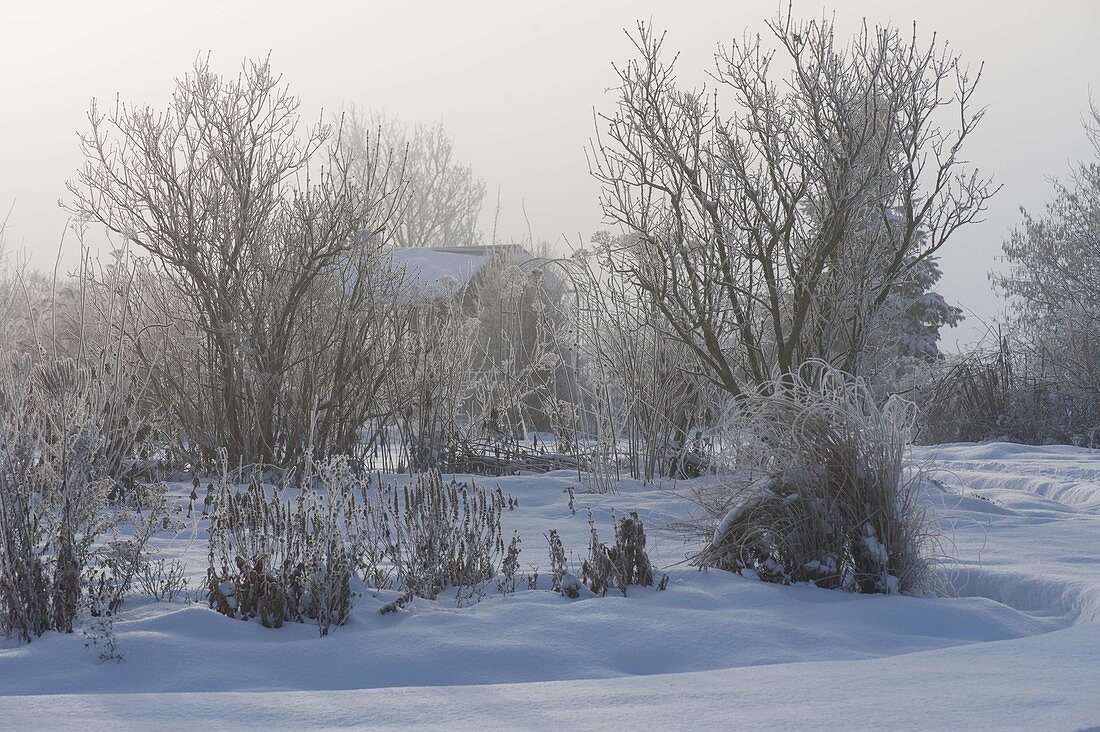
9,291
508,568
123,561
366,529
643,402
561,580
279,561
75,443
624,563
162,579
431,379
820,494
97,623
478,370
428,535
441,533
53,490
598,570
1006,391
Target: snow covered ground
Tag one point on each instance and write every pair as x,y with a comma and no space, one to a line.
1019,647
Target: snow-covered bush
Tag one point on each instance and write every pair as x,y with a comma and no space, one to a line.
58,455
440,533
819,493
620,565
616,567
506,583
561,580
280,561
75,440
162,579
428,535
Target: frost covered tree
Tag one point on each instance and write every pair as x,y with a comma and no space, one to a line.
442,198
923,312
648,407
260,244
8,292
1054,279
780,232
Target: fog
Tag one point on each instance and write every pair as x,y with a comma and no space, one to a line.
516,84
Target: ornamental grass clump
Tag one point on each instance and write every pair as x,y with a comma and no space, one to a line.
819,492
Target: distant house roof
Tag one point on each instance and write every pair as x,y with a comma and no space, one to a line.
449,269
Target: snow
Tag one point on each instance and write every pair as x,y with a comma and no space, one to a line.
1017,648
762,487
431,269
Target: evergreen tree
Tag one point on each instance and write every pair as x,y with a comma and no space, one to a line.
923,311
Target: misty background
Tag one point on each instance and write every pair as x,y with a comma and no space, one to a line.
516,85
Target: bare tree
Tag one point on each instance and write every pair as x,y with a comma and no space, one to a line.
442,198
8,290
776,235
250,227
24,298
645,399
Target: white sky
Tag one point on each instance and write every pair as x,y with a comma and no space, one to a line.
516,83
